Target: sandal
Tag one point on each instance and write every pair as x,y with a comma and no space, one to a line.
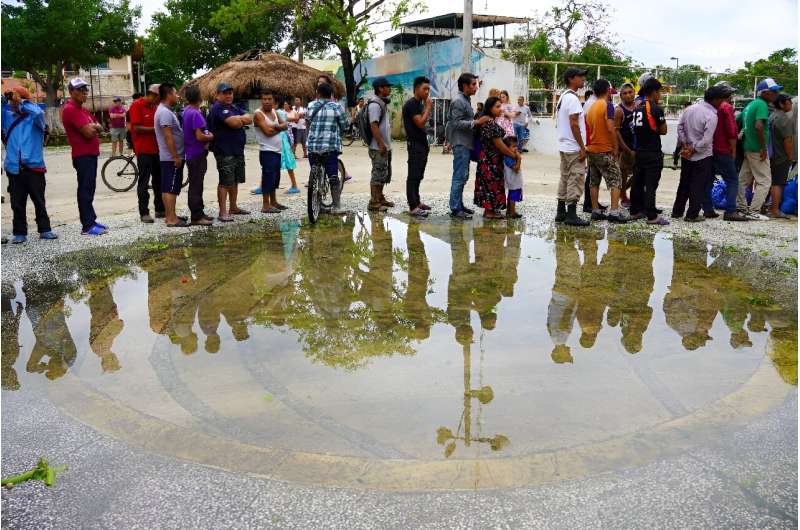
239,211
180,224
227,219
281,207
514,216
271,209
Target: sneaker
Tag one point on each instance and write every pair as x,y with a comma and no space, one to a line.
423,206
202,222
101,225
698,219
754,216
147,219
292,191
95,230
161,215
467,210
48,235
616,218
735,216
461,214
636,216
256,191
659,221
711,215
418,212
598,215
18,239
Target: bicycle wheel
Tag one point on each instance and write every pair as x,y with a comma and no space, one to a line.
314,197
120,173
185,176
325,196
348,138
342,175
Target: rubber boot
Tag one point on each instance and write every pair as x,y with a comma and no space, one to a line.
572,217
384,201
375,199
561,212
336,208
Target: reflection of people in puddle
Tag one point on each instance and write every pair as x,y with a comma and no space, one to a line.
595,292
564,298
693,299
459,285
631,267
11,311
53,339
415,305
105,324
377,286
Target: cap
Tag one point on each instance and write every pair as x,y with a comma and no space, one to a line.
380,81
153,88
726,85
780,99
22,92
572,72
224,87
625,85
77,84
768,84
117,98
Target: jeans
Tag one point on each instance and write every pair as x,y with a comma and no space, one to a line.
695,176
149,170
27,183
725,165
330,163
86,169
417,160
587,198
197,168
519,132
461,154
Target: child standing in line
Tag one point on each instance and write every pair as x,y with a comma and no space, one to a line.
513,174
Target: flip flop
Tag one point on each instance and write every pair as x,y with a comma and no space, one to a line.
180,224
270,210
228,219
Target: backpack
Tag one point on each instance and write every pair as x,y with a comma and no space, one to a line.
362,120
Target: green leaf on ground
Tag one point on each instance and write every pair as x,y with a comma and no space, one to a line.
43,471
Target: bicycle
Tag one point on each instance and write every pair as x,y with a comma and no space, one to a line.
351,135
120,173
319,190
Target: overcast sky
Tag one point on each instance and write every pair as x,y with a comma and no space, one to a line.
715,34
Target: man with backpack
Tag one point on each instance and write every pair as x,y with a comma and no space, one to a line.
23,135
379,136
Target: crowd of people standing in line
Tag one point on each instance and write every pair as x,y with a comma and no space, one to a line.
597,141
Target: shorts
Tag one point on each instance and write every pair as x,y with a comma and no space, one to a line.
603,165
515,195
780,173
171,177
626,164
381,167
118,134
570,185
270,170
300,136
230,169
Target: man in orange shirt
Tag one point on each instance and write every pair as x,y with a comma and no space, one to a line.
603,153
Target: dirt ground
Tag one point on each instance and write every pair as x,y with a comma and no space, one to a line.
540,172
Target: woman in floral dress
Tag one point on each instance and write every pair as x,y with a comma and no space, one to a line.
490,192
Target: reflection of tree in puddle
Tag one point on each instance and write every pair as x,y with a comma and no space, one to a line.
11,312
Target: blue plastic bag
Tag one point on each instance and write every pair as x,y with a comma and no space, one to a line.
718,192
789,202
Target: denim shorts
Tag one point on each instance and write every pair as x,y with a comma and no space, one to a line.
171,177
270,170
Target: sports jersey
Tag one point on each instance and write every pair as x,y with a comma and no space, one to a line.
646,119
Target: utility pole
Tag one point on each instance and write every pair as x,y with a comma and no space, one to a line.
466,38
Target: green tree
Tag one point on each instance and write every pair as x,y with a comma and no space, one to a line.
46,38
781,65
574,23
192,35
345,25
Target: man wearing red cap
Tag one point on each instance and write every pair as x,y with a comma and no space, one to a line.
23,135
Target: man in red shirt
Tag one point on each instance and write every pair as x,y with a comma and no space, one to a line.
725,136
143,133
83,135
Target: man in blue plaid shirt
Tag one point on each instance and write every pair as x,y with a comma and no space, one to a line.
326,121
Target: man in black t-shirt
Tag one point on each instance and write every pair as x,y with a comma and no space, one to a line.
416,113
649,125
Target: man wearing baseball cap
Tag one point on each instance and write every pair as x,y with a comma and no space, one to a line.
724,148
23,135
143,113
83,135
755,168
380,147
116,115
572,148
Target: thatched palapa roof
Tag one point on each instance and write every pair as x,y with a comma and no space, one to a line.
251,72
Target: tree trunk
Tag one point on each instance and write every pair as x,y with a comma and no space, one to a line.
349,75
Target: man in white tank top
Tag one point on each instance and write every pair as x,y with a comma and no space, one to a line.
268,129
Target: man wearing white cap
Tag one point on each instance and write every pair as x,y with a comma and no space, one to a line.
83,134
755,168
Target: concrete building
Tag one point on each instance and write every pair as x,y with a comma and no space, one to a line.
432,47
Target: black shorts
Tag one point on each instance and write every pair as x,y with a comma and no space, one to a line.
270,170
171,178
230,169
780,173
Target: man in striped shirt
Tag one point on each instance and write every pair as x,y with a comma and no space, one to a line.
326,121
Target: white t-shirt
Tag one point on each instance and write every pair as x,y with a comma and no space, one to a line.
268,143
301,112
568,105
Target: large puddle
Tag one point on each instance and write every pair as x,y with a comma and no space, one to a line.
369,339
